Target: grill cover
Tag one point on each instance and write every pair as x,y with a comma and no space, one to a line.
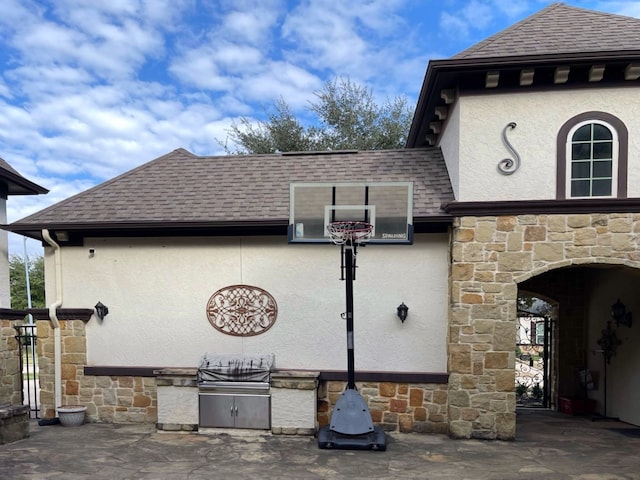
216,367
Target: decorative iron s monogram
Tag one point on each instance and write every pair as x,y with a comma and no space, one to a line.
242,310
508,166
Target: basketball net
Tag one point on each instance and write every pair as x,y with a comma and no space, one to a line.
349,232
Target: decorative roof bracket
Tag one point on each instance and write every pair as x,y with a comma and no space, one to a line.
526,77
596,73
561,75
632,71
492,79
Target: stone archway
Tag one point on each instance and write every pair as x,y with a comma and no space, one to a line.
490,256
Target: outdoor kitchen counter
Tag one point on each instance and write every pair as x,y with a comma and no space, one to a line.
177,399
293,400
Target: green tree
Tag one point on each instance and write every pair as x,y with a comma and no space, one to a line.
347,117
18,283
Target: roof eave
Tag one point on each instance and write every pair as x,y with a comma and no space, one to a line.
535,59
18,185
75,232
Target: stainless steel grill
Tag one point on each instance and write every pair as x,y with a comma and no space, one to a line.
234,390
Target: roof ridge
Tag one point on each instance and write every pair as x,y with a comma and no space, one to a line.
305,153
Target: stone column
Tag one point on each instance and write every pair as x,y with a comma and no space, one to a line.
10,375
74,358
486,252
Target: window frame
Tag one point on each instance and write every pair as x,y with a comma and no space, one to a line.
619,155
614,159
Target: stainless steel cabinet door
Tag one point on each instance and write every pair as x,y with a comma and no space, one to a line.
217,410
253,411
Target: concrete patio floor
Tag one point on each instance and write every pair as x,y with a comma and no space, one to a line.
549,445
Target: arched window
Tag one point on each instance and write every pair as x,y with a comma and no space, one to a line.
593,154
592,157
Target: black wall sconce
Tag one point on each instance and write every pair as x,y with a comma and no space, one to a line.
101,310
403,311
620,314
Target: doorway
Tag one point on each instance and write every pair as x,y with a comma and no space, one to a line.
534,340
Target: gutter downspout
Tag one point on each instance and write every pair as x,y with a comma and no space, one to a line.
57,345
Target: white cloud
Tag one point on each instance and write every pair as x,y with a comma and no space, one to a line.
252,26
280,79
198,68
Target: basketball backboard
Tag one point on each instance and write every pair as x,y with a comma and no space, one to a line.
386,205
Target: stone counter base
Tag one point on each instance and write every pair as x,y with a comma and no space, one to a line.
14,423
177,427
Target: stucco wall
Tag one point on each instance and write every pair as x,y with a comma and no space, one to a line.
5,289
157,291
483,117
450,145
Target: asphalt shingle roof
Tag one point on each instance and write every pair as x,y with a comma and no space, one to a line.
183,187
560,29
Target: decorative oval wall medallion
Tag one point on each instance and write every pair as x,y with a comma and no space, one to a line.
242,310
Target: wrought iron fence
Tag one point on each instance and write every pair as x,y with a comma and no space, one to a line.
533,356
27,340
530,377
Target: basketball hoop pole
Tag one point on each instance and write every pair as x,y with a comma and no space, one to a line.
348,234
348,258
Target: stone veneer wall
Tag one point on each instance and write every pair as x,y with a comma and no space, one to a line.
396,407
490,256
119,399
10,375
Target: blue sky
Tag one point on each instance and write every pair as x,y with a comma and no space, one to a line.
90,89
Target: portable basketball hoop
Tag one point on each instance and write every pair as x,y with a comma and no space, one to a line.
351,426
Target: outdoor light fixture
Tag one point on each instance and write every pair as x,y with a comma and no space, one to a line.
101,310
620,314
403,310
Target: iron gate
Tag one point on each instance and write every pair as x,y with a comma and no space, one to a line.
26,337
533,356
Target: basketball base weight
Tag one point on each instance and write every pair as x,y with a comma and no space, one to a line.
375,440
351,426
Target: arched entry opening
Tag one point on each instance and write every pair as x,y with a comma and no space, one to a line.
595,357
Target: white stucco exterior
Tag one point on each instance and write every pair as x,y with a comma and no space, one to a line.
5,288
157,291
450,146
479,120
178,405
292,408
